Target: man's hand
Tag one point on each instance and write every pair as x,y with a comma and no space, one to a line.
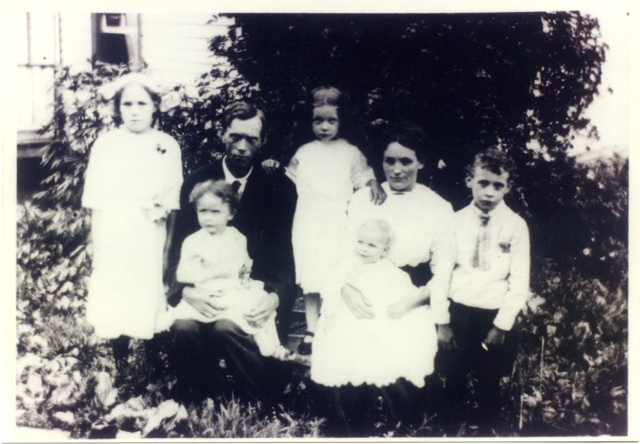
378,196
206,303
357,303
446,340
270,166
258,315
495,337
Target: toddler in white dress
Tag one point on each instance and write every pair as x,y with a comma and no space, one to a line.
393,343
215,259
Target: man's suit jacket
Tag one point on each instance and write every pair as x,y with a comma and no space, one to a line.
264,216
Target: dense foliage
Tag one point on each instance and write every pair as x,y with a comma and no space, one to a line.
520,81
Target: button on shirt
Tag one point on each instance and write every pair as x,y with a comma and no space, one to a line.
230,178
505,284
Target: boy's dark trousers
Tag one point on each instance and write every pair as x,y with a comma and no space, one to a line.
470,327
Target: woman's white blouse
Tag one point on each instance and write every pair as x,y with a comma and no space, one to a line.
419,219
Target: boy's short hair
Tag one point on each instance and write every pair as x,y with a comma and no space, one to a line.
383,226
218,188
494,160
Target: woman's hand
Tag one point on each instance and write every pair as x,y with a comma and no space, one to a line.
357,303
270,166
378,196
446,340
409,302
400,308
205,303
258,315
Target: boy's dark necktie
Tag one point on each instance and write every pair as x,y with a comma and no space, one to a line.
481,256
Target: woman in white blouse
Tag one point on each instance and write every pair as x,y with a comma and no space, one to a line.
419,220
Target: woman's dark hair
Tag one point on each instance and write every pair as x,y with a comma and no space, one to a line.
117,99
410,136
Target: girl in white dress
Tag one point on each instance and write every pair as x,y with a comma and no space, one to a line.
215,258
132,183
326,172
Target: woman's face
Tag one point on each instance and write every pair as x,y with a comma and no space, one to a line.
401,167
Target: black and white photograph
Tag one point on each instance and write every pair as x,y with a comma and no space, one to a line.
426,207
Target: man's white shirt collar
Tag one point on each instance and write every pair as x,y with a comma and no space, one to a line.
230,178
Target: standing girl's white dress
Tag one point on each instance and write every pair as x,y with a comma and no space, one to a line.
131,180
326,174
377,351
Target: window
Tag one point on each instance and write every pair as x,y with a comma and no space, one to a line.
116,38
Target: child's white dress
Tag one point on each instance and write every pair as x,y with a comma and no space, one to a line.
326,174
131,181
378,351
221,262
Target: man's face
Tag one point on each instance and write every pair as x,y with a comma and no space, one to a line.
242,141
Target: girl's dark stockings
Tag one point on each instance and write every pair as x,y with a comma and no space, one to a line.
120,347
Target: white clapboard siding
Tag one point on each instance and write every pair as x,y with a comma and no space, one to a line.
189,19
42,38
75,38
176,46
21,41
36,104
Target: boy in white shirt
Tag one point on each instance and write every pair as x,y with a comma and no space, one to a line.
489,283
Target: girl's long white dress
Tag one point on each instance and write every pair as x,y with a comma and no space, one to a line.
378,351
130,180
326,173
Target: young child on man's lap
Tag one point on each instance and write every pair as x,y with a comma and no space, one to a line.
215,259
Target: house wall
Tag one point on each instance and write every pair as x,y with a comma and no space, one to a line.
176,46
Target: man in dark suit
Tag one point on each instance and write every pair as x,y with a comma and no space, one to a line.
264,216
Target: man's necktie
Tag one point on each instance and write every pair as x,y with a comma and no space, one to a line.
236,186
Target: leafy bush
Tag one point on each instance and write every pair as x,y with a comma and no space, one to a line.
573,377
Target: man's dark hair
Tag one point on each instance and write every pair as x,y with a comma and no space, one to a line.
243,111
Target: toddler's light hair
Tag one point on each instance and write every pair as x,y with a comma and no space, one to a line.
382,226
218,188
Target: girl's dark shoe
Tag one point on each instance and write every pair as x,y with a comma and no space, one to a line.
304,348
